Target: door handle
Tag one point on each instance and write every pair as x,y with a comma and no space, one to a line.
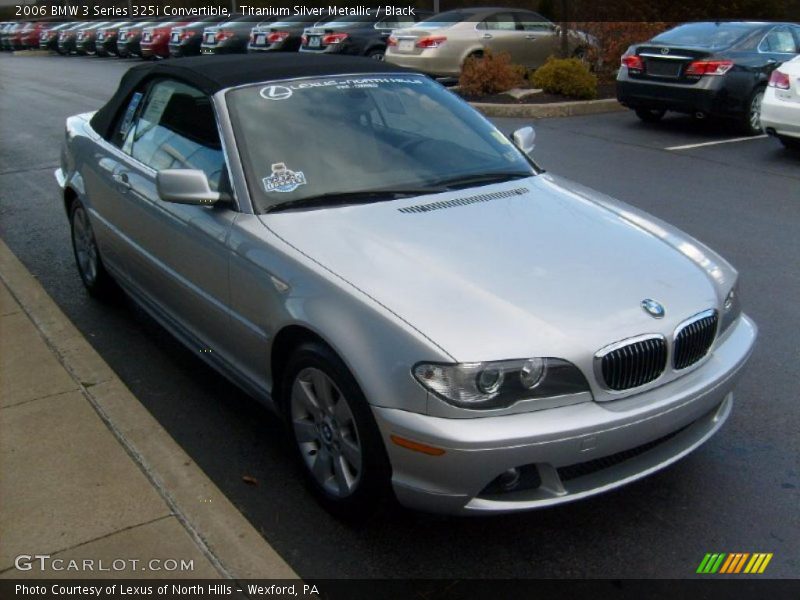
530,36
487,36
122,179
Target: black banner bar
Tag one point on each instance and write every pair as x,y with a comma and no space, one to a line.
712,587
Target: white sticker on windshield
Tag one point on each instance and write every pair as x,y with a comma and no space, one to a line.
157,103
283,179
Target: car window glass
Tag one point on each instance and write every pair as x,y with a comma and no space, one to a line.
175,129
501,22
779,40
533,22
704,35
125,121
360,133
394,23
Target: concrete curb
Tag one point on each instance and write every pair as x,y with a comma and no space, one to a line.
543,111
216,525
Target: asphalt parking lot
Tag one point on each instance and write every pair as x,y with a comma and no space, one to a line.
738,493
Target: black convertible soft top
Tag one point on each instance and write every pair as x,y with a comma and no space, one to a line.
213,73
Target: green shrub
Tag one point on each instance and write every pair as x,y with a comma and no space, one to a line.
490,74
568,77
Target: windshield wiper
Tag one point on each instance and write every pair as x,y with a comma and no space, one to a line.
358,197
475,179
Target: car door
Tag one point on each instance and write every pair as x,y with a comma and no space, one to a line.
541,39
779,45
500,33
176,256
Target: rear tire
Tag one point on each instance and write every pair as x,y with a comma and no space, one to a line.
93,274
377,54
650,115
334,435
750,123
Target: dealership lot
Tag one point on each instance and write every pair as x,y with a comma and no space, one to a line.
737,493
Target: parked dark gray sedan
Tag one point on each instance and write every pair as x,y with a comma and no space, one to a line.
429,311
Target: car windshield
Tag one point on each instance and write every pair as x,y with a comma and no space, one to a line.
342,135
704,35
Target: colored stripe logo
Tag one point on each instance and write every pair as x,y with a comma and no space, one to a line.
734,563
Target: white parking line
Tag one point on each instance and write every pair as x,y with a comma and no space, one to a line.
728,141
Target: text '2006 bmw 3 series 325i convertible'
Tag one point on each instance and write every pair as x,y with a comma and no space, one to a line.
432,315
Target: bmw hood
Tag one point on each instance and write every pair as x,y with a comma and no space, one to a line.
533,267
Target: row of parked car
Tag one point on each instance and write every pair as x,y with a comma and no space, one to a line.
437,44
721,69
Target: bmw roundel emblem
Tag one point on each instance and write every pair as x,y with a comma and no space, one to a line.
653,308
665,51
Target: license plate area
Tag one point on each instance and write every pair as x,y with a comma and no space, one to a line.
314,42
209,38
663,68
405,45
261,39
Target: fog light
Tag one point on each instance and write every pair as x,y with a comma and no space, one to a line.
509,480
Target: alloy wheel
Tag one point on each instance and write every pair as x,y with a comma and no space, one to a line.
85,245
326,432
755,111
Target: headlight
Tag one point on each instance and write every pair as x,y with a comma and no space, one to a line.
731,308
500,384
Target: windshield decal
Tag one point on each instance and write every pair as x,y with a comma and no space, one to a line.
276,92
284,92
283,179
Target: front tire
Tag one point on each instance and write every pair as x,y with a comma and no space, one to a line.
93,274
334,434
650,115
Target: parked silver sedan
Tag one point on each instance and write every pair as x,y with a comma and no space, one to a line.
440,44
429,311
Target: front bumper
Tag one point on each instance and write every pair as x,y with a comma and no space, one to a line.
567,453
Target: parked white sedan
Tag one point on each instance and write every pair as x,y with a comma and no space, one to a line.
780,109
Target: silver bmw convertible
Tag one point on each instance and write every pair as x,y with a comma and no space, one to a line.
433,315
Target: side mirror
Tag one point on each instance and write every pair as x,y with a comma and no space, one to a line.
524,139
185,186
